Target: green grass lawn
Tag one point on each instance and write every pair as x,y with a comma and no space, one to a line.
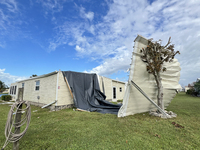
68,129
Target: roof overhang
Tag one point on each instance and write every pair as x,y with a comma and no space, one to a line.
37,77
140,38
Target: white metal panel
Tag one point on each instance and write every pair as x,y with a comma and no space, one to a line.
134,102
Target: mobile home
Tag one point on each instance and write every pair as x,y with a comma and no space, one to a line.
53,88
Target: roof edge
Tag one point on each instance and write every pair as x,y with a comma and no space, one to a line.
41,76
112,79
139,37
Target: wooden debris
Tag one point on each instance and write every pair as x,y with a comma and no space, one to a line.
177,125
156,135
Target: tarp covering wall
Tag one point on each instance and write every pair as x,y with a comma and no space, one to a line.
87,94
134,102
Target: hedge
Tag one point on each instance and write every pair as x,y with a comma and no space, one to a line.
6,97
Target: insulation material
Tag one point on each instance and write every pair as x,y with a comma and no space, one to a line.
134,102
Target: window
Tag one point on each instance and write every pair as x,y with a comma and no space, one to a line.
11,90
120,89
15,88
37,85
22,85
114,92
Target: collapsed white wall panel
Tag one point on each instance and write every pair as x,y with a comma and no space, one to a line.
134,102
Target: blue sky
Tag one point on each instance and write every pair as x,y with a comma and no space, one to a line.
41,36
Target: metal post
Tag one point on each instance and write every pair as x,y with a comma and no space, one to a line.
142,92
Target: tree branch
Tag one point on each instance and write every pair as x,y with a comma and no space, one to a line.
168,42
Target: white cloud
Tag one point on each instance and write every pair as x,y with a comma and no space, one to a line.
10,21
8,79
114,64
79,49
89,15
52,5
125,19
11,5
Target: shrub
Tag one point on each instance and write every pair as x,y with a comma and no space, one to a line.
197,87
190,91
6,97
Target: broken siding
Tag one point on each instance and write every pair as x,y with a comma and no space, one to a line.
64,96
107,87
134,102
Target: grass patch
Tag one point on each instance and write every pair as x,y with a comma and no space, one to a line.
114,102
68,129
120,100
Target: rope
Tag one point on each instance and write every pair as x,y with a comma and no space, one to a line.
9,134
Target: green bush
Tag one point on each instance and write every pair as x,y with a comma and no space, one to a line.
192,92
197,87
6,97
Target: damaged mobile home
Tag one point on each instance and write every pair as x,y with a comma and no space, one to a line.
63,89
134,102
87,91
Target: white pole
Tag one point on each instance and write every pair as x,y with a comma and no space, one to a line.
142,92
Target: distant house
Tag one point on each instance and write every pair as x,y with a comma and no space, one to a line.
5,91
186,88
191,86
47,88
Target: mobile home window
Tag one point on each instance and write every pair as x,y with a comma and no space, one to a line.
120,89
11,90
37,85
15,88
22,85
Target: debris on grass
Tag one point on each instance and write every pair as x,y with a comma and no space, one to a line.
158,114
177,125
156,135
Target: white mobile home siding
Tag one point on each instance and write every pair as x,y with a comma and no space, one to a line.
64,96
109,84
118,85
53,87
46,92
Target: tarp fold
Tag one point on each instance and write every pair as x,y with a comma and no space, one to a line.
87,94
